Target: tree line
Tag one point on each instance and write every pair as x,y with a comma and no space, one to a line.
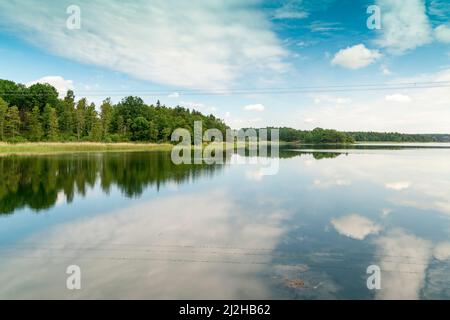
316,136
398,137
36,113
321,136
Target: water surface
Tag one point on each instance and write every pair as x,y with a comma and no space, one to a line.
139,226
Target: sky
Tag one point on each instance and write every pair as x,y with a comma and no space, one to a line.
253,63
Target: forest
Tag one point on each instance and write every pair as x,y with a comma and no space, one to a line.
35,113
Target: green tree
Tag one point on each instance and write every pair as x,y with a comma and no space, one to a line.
96,131
34,124
106,116
3,112
13,122
50,120
140,129
90,118
40,95
152,132
66,114
80,118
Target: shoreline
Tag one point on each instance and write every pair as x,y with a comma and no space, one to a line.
36,148
32,148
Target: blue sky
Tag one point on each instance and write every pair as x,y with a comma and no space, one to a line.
228,58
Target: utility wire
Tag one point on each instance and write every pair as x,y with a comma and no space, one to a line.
290,90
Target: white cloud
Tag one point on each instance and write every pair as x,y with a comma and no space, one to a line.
169,225
174,95
404,280
324,27
61,85
331,99
292,9
206,44
398,186
198,106
427,112
442,33
385,212
385,70
405,25
238,123
255,107
398,98
355,226
256,175
442,251
355,57
335,182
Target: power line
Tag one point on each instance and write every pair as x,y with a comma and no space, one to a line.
232,262
286,90
199,249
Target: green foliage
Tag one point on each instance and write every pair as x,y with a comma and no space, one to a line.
34,124
3,111
45,117
36,113
12,122
398,137
106,116
316,136
50,121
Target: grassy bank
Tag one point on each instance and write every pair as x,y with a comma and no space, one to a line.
72,147
62,147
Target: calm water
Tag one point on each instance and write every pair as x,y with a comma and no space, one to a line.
140,227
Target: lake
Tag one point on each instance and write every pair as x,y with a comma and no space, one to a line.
139,226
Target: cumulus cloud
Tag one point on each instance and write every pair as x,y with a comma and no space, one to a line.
398,98
255,107
405,25
207,44
355,57
355,226
442,33
61,85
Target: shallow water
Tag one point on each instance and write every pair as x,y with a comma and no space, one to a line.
140,227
